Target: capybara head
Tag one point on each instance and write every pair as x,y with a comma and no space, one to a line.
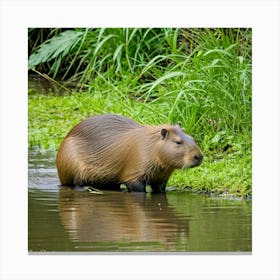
177,149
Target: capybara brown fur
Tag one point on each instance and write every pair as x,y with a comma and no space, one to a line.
108,150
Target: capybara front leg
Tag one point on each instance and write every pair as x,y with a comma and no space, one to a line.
135,187
159,187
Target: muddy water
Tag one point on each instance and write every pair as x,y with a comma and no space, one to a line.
67,220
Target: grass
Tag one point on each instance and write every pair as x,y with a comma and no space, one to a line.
223,171
200,77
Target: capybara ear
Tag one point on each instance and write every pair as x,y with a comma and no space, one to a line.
180,125
164,133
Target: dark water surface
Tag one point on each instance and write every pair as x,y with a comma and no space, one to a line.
67,220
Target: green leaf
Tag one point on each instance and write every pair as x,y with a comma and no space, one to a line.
54,47
218,137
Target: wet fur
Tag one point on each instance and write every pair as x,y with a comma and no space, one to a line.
108,150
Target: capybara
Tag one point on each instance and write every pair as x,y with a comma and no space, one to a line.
108,150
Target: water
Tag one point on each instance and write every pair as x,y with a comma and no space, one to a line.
68,220
39,85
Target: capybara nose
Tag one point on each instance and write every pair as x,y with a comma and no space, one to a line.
197,159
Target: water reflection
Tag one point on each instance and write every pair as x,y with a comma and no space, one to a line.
120,217
64,219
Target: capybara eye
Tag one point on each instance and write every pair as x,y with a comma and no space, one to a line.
179,142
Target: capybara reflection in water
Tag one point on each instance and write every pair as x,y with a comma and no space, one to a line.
108,150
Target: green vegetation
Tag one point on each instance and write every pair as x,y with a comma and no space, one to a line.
200,77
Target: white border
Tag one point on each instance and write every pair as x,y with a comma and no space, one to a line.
17,16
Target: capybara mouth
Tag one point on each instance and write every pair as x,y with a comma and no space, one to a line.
197,160
197,163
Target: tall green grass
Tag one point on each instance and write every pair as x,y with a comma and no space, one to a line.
200,77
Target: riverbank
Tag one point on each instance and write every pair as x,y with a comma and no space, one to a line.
200,77
227,164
